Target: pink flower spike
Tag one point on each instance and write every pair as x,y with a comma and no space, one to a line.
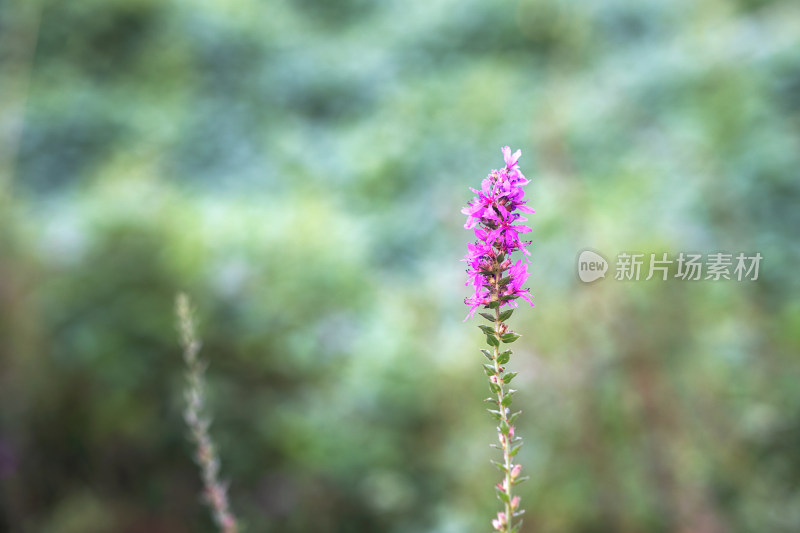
496,214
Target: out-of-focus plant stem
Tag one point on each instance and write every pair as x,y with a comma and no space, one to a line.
198,422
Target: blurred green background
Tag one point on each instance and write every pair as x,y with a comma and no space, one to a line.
298,168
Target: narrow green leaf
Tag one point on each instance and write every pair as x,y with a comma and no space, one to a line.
504,427
495,388
510,337
487,353
515,450
492,341
495,413
522,479
500,466
487,329
513,416
493,305
502,495
505,315
487,316
508,377
503,357
506,401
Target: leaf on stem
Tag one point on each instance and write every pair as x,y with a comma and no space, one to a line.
502,495
508,377
510,337
487,329
500,466
503,357
515,450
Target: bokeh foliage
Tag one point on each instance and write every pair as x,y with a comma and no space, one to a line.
298,169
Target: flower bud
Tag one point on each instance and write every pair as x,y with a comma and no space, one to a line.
499,522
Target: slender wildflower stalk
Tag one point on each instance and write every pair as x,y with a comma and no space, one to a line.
497,282
215,492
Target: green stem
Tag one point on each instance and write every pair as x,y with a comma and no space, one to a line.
501,393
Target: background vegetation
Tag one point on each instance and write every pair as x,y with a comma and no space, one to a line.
298,168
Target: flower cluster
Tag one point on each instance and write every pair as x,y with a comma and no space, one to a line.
495,215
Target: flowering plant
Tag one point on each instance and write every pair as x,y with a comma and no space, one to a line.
495,216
